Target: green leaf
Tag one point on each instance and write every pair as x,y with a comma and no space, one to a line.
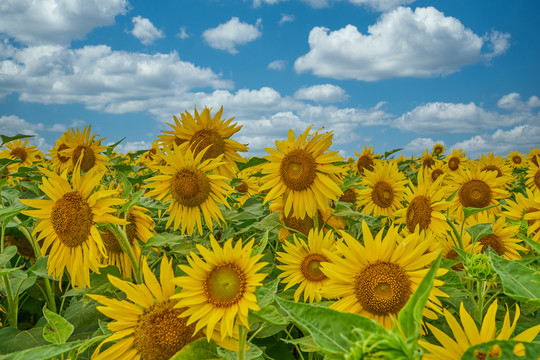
532,349
265,294
164,239
8,213
480,230
58,329
4,272
306,343
253,353
6,139
388,153
533,244
519,282
268,314
110,148
259,248
254,161
40,268
199,349
469,211
43,352
269,222
8,253
331,329
409,317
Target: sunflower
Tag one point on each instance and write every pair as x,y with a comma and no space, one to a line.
426,207
503,240
533,178
68,222
84,148
247,186
302,170
427,160
497,164
456,160
477,189
534,156
438,169
201,131
60,162
384,191
305,225
366,160
19,150
140,227
146,323
377,279
525,207
438,149
302,262
192,188
467,335
218,290
516,159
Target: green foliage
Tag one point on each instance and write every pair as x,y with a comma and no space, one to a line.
6,139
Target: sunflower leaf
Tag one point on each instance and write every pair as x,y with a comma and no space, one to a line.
533,244
43,352
6,139
58,329
198,349
7,254
469,211
409,317
478,231
519,281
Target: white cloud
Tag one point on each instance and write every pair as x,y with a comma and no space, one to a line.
501,142
100,78
231,34
257,3
513,101
56,21
132,146
286,18
276,65
318,4
381,5
145,31
420,144
322,93
498,42
12,125
403,43
182,33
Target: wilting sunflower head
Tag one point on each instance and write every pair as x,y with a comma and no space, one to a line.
218,288
302,169
427,160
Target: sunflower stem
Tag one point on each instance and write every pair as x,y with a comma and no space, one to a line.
120,234
13,310
242,336
457,233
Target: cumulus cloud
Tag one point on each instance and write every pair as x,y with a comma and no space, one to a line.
182,33
322,93
145,31
231,34
286,18
403,43
276,65
513,101
56,21
381,5
420,144
257,3
100,78
318,4
501,142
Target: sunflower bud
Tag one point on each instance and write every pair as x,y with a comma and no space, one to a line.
382,345
479,267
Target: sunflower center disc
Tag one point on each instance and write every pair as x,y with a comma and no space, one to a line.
298,169
311,267
88,157
428,163
131,228
493,242
71,219
202,138
382,194
419,213
516,160
438,150
190,187
364,162
111,243
242,188
382,288
160,333
453,163
537,179
302,225
475,193
493,168
19,153
436,173
225,285
348,196
62,159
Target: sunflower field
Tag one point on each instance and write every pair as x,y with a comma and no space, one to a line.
192,250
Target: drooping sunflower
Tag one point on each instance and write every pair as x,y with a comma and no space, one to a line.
218,290
301,263
192,188
438,149
528,208
384,191
503,240
68,222
19,150
490,162
477,189
533,178
467,334
516,159
61,162
366,160
84,148
456,160
376,279
427,160
201,131
140,228
426,207
302,170
146,323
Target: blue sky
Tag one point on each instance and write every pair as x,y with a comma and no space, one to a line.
382,73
